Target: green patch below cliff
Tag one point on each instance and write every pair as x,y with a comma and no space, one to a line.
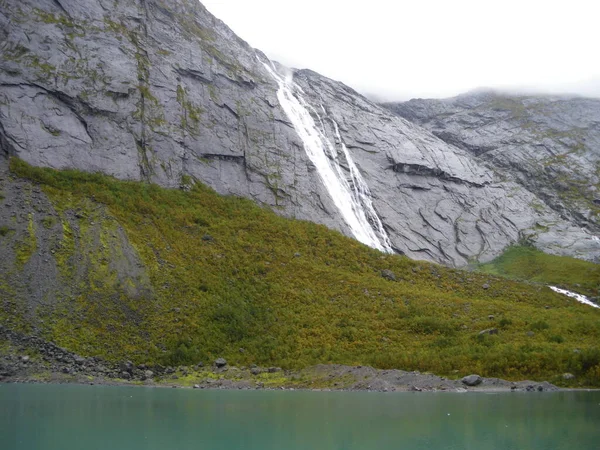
529,264
227,278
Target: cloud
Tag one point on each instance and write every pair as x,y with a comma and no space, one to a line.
428,48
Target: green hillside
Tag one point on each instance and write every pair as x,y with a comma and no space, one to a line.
224,277
528,263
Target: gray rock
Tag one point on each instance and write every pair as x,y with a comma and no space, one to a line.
388,275
568,376
220,362
125,375
274,369
546,144
472,380
489,331
127,366
148,374
255,371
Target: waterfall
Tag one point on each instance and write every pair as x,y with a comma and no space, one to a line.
580,298
352,198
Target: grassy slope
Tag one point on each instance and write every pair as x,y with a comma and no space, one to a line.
231,279
528,263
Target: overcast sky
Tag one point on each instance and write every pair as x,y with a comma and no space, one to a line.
428,48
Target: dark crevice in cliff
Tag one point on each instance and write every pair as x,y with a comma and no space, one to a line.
421,170
143,68
247,84
451,139
6,147
62,8
194,74
234,158
73,104
228,108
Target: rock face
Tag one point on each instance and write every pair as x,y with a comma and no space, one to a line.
148,90
161,91
549,145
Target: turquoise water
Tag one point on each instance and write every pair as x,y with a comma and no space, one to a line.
66,417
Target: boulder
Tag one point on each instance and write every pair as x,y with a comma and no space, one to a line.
488,331
127,366
472,380
388,275
220,362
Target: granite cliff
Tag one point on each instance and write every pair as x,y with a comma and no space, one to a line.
161,91
550,145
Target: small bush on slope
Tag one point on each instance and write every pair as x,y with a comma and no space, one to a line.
234,280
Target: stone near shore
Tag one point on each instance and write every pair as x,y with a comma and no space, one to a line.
220,362
472,380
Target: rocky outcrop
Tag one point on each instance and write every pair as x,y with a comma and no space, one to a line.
437,201
148,90
161,91
550,145
51,257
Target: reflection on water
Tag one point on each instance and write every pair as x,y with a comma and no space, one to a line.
94,417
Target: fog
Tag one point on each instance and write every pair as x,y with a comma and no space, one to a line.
397,50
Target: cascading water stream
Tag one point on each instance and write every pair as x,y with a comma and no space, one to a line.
353,200
580,298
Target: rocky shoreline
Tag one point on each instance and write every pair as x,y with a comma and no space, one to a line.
30,359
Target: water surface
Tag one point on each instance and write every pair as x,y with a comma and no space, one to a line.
68,417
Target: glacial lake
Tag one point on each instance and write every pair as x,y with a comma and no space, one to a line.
70,417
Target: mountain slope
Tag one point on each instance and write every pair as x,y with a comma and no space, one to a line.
161,91
163,276
550,145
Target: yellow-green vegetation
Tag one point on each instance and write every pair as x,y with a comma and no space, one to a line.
231,279
529,264
25,247
307,378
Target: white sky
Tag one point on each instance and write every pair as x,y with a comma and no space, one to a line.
428,48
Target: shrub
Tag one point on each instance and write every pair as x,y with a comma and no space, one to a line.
540,325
